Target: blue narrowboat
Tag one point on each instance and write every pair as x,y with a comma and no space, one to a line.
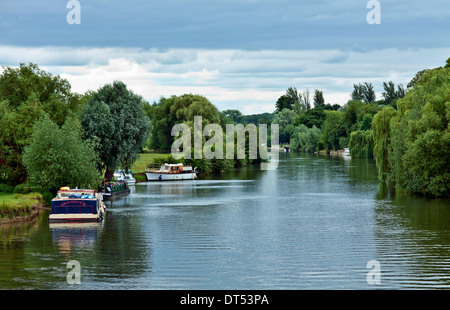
77,205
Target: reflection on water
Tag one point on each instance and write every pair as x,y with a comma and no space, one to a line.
313,223
69,236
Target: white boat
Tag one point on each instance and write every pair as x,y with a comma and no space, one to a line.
346,152
172,172
77,205
122,175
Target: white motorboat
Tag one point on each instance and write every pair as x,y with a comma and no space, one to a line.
123,175
172,172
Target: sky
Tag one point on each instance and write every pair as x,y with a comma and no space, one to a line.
239,54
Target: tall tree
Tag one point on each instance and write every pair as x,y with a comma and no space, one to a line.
116,117
180,109
364,92
59,157
306,100
416,156
283,103
319,101
290,100
390,94
369,93
26,92
357,93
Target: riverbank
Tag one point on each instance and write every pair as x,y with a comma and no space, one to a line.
19,208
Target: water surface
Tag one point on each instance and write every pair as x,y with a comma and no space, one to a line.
313,223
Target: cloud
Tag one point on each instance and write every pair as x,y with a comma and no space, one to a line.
250,81
224,24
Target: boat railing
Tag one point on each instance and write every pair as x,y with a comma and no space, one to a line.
153,166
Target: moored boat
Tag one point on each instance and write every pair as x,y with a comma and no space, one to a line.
115,190
172,172
127,176
77,205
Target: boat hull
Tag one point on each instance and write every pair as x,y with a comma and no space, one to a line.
157,176
115,195
77,210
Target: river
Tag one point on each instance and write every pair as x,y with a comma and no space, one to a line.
315,222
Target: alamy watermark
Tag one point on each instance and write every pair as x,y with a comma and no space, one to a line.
213,148
74,15
374,275
74,275
374,16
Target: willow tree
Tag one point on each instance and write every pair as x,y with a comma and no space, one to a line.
382,140
116,117
412,144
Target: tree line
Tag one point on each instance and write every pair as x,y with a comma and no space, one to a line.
51,136
406,132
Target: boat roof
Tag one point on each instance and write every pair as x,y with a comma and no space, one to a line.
75,190
175,165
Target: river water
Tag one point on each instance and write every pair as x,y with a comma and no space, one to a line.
315,222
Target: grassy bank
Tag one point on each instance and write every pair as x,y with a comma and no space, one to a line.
146,158
18,205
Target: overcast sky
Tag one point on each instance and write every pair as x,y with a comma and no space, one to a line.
239,54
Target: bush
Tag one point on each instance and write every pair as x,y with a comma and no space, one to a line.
5,188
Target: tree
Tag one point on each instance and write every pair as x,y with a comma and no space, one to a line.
364,92
313,117
283,103
360,144
304,139
180,109
319,101
369,93
290,100
285,119
59,157
306,100
333,130
234,115
116,117
390,94
26,92
382,140
357,94
417,153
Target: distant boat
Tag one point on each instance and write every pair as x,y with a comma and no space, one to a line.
123,175
172,172
111,191
346,152
77,205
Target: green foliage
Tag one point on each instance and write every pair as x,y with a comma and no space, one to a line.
176,110
364,92
304,139
115,116
357,115
391,95
285,119
361,143
25,93
418,152
333,130
59,157
319,100
311,118
382,140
